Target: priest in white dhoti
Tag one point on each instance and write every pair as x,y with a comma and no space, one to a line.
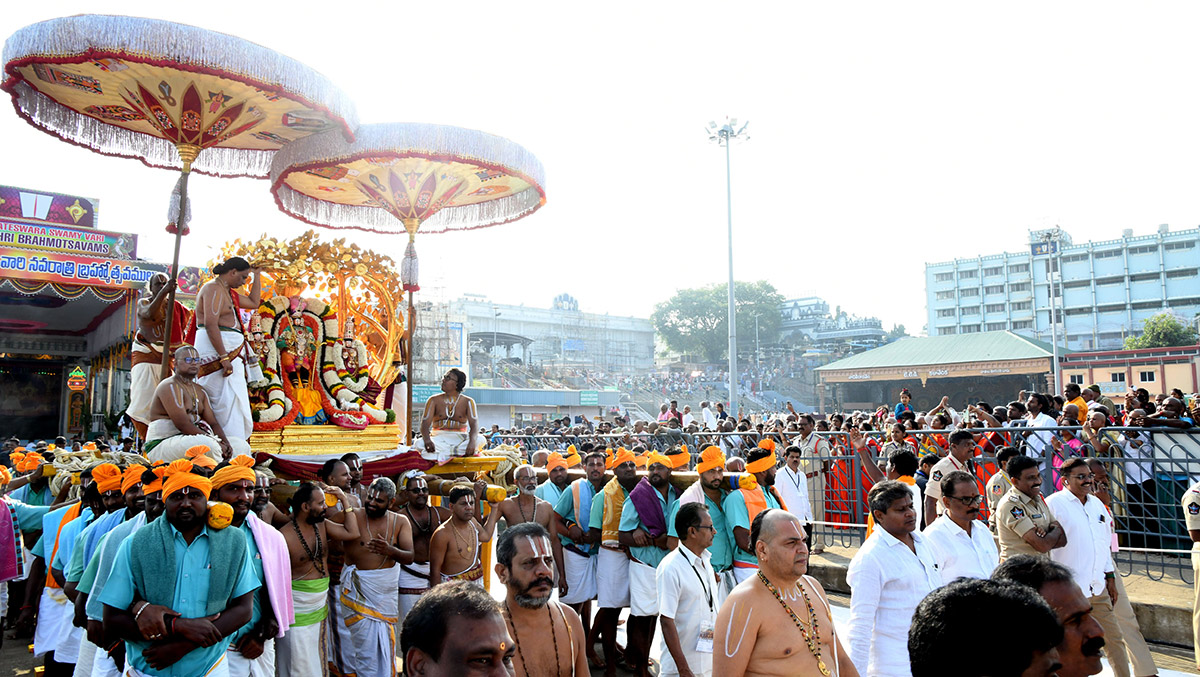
182,417
148,346
221,341
450,426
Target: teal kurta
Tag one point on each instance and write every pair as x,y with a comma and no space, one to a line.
722,545
650,555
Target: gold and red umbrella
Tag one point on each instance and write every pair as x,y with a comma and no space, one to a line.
407,177
170,95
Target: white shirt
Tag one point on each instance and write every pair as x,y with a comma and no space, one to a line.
958,553
687,594
793,487
1089,535
1137,446
710,420
1038,441
887,581
688,419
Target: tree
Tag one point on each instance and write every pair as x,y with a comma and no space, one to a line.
897,332
696,321
1162,330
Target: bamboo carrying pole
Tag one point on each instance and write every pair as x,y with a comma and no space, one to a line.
680,479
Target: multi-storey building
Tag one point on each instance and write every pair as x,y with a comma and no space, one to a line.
810,316
1105,291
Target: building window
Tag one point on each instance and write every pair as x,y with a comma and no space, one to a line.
943,277
944,295
970,329
973,310
1148,249
1021,305
1107,254
967,274
1073,258
1018,287
994,289
1117,377
995,326
1170,246
1019,268
997,270
1146,376
946,312
995,308
947,331
971,291
1077,379
1022,324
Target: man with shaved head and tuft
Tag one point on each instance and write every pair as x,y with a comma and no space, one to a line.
778,609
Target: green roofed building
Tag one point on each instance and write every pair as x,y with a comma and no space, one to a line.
988,366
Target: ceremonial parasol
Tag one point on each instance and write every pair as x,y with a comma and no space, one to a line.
402,177
170,95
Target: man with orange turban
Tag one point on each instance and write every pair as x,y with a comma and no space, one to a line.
710,490
175,581
643,529
577,571
30,487
743,505
252,648
557,479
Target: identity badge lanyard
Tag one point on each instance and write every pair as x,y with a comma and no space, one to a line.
704,642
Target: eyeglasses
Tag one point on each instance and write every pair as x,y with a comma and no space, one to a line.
968,500
189,360
1083,478
707,526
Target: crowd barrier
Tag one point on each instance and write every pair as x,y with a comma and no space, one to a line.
1149,469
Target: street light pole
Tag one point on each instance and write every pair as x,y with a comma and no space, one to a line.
1051,237
757,346
723,135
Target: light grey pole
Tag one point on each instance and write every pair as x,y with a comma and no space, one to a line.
732,321
1054,389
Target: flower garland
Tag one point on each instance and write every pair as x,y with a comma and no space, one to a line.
358,381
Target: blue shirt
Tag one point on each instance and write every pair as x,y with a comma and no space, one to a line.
28,517
737,515
26,494
721,548
190,600
257,565
44,547
67,538
548,491
649,555
566,507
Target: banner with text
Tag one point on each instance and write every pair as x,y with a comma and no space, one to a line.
67,239
61,268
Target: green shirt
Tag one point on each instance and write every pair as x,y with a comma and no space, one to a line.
737,515
650,555
722,545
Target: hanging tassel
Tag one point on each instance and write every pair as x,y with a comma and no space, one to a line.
173,210
408,268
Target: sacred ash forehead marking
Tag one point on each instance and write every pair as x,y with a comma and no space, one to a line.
540,546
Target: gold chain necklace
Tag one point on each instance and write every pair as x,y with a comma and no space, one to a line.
813,640
458,539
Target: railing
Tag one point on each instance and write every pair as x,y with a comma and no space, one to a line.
1149,470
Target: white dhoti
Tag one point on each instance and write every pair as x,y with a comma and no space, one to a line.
221,669
53,620
643,590
228,395
301,650
165,443
725,584
371,611
413,582
103,665
612,579
263,666
743,570
340,644
448,444
69,644
143,379
581,577
86,659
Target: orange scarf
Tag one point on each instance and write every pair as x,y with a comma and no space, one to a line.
71,514
756,500
907,479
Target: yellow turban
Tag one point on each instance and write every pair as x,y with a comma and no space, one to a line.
132,478
107,477
656,457
556,460
157,484
5,475
29,462
680,460
573,459
179,476
622,456
767,443
240,468
199,456
640,460
710,458
761,465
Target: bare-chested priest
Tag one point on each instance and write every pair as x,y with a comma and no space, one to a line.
368,589
456,549
221,341
527,507
450,426
777,622
146,357
181,417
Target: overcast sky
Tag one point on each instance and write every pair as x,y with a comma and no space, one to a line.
883,135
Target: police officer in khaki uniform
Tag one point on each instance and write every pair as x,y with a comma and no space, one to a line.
999,484
1191,517
1024,523
962,448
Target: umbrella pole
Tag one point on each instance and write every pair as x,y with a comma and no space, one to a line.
187,153
408,371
